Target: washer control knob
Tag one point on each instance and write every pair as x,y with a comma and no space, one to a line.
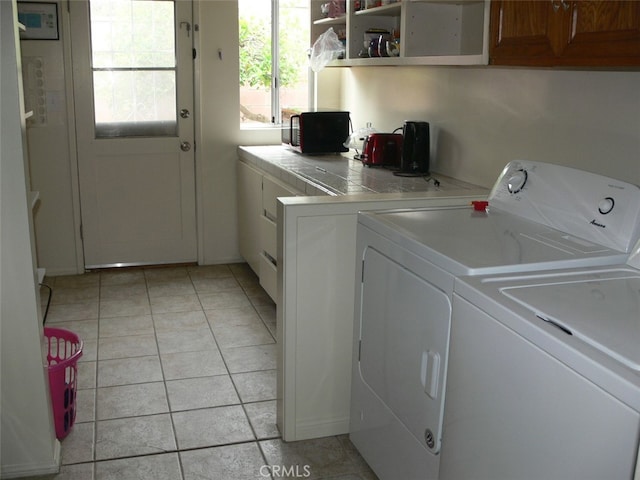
606,205
517,181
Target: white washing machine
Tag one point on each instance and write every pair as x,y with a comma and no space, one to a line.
544,376
540,216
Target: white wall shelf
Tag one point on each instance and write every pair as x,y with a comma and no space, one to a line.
431,32
391,10
342,20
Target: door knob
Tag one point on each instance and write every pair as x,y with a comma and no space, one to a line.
184,113
185,146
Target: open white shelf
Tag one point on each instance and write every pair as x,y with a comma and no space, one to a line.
431,32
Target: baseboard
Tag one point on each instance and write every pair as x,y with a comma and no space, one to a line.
31,470
321,428
57,272
222,261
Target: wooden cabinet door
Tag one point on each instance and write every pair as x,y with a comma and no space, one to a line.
523,32
602,32
565,32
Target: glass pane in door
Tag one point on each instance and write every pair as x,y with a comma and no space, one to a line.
134,67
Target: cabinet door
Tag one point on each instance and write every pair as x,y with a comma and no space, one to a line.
602,32
565,33
523,32
249,212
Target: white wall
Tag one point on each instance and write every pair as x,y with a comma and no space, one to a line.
483,117
27,438
219,132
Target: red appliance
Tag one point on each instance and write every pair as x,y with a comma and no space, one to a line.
383,149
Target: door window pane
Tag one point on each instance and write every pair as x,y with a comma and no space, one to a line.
134,67
134,103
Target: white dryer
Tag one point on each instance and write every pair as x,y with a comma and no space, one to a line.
540,216
544,376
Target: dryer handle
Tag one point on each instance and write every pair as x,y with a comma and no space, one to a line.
430,372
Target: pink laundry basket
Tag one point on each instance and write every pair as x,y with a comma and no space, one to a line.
64,348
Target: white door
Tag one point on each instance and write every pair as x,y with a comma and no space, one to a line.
133,85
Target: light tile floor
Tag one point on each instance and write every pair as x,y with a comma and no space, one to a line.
177,380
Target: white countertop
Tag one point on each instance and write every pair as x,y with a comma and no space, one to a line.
340,174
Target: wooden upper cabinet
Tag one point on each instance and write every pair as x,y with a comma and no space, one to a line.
521,33
602,32
565,33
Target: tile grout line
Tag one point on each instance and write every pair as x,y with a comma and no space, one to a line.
95,394
242,403
224,361
164,380
253,306
258,444
256,440
176,450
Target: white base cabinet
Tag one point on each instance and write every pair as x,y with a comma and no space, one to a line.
258,193
309,268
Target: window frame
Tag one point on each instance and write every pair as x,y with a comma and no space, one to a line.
276,114
276,111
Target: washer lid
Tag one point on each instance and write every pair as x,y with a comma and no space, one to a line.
465,242
603,312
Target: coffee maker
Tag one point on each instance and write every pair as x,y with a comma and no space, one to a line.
415,148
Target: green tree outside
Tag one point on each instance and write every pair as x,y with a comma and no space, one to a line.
256,54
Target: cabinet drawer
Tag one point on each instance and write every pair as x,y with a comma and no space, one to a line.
268,276
271,190
268,236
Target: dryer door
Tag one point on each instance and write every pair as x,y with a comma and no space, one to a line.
404,334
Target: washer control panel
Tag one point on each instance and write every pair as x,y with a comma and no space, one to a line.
606,205
517,181
593,207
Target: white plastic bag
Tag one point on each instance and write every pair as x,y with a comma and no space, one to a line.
357,138
327,47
